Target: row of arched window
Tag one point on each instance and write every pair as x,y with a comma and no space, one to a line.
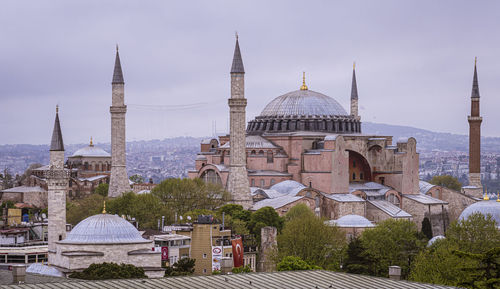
262,183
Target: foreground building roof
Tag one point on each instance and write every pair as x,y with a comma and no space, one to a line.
287,279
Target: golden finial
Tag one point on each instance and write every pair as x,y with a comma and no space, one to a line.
116,47
486,198
91,143
498,196
475,60
104,207
57,108
304,86
353,65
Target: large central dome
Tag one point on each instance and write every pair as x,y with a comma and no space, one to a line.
304,110
303,103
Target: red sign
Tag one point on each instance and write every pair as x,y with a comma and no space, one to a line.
237,252
164,253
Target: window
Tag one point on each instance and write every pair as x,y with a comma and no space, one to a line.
353,176
204,256
269,156
360,176
353,163
204,270
262,183
253,183
272,182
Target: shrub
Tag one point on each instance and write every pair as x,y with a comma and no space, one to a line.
110,271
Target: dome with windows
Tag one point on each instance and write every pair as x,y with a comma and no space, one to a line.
104,229
304,110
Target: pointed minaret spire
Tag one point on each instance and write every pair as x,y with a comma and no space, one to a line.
237,66
57,141
475,83
117,74
354,92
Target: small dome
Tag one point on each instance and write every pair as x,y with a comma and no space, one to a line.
104,229
434,239
352,221
91,151
303,102
485,208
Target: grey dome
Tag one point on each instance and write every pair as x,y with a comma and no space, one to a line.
434,239
485,208
303,102
91,151
104,229
351,221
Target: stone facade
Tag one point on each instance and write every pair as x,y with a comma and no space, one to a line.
268,246
119,182
237,182
457,202
436,213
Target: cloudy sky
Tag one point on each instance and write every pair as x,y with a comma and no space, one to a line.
414,62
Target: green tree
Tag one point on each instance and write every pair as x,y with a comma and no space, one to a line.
391,242
447,181
474,234
183,195
263,217
77,210
427,228
306,236
109,271
102,189
138,179
357,261
183,267
294,263
241,269
484,274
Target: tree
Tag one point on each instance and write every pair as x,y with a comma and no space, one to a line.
109,271
427,228
294,263
474,234
184,266
24,178
263,217
241,269
447,181
391,242
102,189
183,195
306,236
484,274
357,261
77,210
138,179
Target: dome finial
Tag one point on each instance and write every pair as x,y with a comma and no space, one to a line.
304,86
57,108
104,207
91,143
498,196
486,198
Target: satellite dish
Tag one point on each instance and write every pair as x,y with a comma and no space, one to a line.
189,218
44,216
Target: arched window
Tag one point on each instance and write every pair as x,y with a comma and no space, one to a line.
86,166
262,183
272,182
261,152
360,176
252,152
210,176
353,176
253,183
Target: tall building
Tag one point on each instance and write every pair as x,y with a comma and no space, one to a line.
237,183
119,182
475,138
57,183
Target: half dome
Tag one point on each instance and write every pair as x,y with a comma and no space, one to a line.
303,103
484,207
104,229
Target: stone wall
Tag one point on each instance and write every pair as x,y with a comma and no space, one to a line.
457,202
268,246
436,213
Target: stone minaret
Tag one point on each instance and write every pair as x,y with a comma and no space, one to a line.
57,184
119,183
475,135
237,181
354,93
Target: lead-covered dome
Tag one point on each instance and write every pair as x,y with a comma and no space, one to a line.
484,207
303,103
91,151
104,229
304,110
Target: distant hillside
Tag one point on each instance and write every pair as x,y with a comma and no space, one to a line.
429,140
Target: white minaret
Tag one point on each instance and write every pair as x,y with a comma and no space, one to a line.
119,183
237,181
57,183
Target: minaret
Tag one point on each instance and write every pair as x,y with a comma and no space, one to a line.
237,181
119,183
475,135
354,93
57,184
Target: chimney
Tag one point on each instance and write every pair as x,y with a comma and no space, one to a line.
395,272
18,274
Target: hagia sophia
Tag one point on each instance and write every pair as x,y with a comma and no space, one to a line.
304,147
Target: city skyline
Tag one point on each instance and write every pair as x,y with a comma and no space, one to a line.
176,60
